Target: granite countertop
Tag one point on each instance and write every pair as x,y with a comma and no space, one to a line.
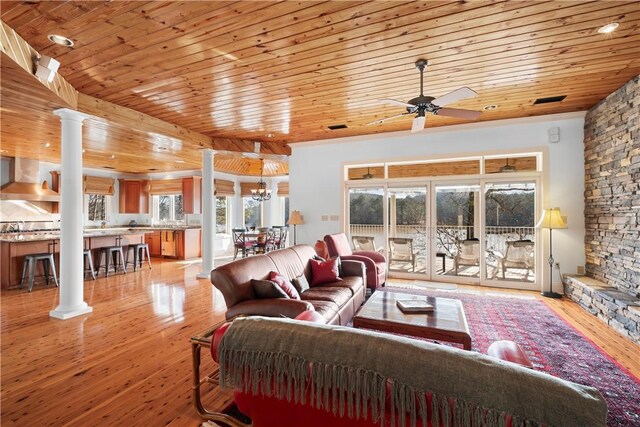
40,236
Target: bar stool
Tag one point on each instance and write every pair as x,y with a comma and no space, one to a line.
111,252
88,259
31,262
139,250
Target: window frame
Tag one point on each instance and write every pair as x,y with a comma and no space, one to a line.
260,213
227,224
155,203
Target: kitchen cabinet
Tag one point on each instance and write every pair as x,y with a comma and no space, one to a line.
191,194
188,243
168,243
153,240
133,197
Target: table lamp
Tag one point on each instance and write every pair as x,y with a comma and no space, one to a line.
295,219
551,219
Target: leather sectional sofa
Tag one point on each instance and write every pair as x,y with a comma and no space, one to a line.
337,302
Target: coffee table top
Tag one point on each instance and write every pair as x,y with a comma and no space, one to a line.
381,313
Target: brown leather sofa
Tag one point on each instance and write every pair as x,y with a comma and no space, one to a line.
337,302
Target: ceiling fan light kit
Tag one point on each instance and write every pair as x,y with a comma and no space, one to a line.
422,104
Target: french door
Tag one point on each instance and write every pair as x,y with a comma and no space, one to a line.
465,231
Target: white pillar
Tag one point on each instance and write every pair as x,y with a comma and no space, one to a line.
71,221
208,214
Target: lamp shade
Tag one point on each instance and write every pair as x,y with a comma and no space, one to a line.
551,218
295,218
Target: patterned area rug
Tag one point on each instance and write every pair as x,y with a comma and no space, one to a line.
552,345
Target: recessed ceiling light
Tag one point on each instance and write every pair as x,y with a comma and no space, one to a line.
61,40
609,28
179,161
113,156
83,150
490,107
270,135
3,151
46,145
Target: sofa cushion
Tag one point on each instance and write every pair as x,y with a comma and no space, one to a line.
284,284
353,283
268,289
326,309
324,271
301,283
340,296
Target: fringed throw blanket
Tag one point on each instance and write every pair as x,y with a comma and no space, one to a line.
352,372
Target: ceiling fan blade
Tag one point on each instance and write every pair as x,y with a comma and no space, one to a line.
394,102
418,124
388,118
454,96
459,113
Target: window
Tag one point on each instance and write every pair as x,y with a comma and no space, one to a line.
252,212
168,207
97,207
222,214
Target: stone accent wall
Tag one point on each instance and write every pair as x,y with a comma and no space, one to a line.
614,307
612,189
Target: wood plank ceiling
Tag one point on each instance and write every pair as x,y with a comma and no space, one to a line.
282,72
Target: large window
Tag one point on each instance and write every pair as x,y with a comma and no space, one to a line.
97,207
252,212
222,214
285,203
168,207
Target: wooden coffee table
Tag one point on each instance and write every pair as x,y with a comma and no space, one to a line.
446,323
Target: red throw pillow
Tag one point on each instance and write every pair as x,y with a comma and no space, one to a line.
324,271
284,284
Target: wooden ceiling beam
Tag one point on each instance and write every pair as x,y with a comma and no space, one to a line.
16,49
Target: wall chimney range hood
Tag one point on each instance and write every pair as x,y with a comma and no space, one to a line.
24,183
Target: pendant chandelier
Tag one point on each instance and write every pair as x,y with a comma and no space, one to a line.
261,193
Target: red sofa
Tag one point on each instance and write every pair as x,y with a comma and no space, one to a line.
269,411
375,263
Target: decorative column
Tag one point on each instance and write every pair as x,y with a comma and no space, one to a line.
208,214
71,220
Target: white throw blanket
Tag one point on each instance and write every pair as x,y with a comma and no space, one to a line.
351,370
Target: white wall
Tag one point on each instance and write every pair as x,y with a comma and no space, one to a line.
316,171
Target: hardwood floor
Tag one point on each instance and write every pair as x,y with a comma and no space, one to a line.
129,362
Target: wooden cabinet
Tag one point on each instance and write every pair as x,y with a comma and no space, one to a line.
133,197
153,240
191,194
188,244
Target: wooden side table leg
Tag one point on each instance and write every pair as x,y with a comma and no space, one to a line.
196,350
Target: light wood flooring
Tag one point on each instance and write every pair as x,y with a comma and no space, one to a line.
129,362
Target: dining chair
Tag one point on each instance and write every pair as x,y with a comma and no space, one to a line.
242,243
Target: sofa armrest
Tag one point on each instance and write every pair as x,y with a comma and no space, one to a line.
369,264
375,256
354,268
271,307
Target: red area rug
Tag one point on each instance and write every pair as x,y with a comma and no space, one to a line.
552,345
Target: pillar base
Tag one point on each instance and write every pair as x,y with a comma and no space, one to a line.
64,314
204,275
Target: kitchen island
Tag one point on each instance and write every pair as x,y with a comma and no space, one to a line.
179,242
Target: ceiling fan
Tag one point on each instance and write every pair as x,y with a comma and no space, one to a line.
427,104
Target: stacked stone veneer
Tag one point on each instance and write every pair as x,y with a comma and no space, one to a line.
612,206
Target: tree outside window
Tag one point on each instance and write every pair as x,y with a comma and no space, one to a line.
97,208
252,212
170,207
221,214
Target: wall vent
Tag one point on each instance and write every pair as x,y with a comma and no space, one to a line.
334,127
549,99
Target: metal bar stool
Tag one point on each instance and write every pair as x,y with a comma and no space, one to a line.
139,250
88,259
30,263
111,252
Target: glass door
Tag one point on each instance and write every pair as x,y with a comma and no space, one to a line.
407,244
366,218
456,236
509,233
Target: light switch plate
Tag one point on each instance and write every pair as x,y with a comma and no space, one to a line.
324,218
581,270
334,218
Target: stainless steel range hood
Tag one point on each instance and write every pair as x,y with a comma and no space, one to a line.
24,183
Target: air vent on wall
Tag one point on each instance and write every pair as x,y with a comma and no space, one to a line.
334,127
549,99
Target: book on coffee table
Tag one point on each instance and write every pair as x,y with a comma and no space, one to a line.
414,306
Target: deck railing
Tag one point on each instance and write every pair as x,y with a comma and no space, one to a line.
446,235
